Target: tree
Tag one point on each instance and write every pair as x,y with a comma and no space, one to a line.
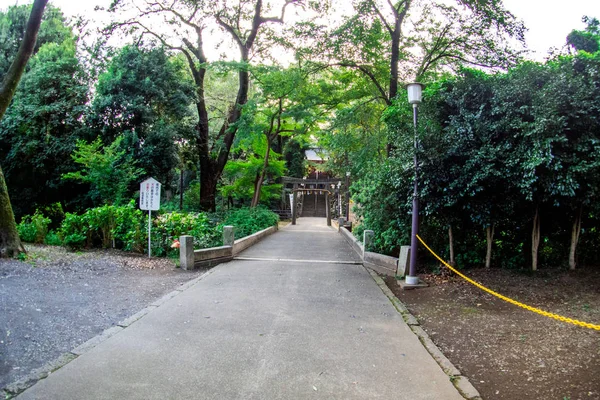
375,42
109,170
13,24
189,20
145,96
9,238
588,39
285,104
566,109
39,131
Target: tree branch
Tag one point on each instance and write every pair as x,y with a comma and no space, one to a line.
381,17
371,76
232,31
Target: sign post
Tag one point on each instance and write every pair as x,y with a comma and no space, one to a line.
150,200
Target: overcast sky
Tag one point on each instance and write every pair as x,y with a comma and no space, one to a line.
549,21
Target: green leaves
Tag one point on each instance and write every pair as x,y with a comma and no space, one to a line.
109,170
40,128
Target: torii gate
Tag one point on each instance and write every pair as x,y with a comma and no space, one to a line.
327,210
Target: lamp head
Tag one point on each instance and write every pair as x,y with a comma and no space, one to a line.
415,92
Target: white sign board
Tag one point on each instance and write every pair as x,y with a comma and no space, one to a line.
150,195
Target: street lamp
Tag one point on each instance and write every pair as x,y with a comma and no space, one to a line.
415,91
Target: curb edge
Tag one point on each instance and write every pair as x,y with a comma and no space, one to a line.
460,382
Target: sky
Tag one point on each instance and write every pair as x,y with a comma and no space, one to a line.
548,21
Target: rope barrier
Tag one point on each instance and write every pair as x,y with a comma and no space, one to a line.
509,300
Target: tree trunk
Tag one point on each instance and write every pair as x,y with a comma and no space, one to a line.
261,177
489,233
451,246
10,244
208,191
13,76
575,232
535,240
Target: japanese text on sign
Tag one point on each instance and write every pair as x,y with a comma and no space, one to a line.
150,195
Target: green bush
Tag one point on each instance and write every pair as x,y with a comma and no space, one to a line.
168,227
33,229
53,239
131,228
250,220
74,241
74,231
56,213
126,227
103,226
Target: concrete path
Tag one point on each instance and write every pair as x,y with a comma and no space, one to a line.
275,328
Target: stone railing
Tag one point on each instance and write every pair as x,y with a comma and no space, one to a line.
191,259
381,263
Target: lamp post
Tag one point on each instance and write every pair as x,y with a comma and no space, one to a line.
415,91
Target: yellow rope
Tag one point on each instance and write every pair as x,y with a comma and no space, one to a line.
509,300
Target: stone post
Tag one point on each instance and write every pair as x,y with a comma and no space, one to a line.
228,235
403,261
367,240
341,222
186,252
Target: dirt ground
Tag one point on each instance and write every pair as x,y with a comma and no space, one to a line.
508,352
56,300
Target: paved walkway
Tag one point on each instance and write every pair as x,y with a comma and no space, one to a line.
264,327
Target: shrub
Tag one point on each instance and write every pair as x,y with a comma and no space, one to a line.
53,239
250,220
103,226
131,227
56,213
33,229
168,227
127,227
74,231
103,222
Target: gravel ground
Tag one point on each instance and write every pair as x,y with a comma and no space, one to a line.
56,300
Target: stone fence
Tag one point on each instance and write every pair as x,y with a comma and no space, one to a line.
390,266
191,259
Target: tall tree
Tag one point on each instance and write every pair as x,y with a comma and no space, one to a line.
39,131
145,96
9,238
242,22
286,103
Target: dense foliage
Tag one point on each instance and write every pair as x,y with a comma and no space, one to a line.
250,220
509,149
125,227
498,153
